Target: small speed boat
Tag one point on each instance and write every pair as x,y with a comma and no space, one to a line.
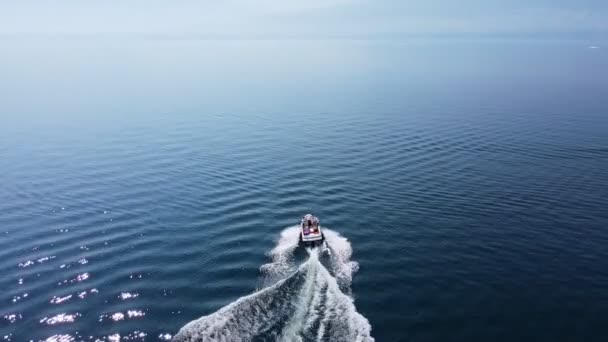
310,231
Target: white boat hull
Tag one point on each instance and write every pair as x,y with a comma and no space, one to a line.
310,231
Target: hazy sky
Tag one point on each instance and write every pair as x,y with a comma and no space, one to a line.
305,17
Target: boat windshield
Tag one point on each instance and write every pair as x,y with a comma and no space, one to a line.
310,222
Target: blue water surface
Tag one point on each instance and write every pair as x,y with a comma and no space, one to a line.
142,181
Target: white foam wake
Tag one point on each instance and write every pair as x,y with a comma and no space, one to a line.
306,304
282,256
341,251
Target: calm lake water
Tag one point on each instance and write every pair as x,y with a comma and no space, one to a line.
145,182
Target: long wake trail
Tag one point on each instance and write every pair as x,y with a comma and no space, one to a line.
306,302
